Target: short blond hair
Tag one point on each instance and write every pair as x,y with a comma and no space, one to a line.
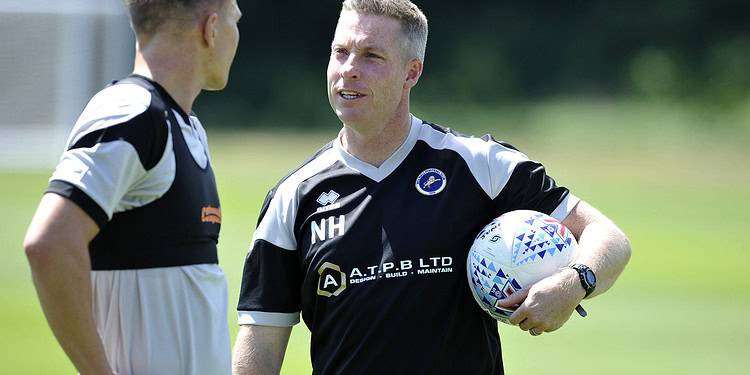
413,21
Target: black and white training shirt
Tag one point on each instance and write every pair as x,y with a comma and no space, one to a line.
139,166
374,258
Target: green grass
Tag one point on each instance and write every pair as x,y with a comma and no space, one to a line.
681,195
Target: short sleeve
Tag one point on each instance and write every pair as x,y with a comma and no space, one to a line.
110,151
97,178
519,183
272,276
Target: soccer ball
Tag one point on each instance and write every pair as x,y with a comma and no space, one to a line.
514,251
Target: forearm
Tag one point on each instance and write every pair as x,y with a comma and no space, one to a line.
548,304
606,250
259,350
63,284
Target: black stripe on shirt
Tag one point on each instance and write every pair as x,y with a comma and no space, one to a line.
146,133
530,188
271,280
80,198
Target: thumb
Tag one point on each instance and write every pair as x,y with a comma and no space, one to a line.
515,299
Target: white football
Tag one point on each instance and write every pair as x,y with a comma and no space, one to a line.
514,251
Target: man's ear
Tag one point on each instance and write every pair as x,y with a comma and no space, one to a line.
413,72
210,28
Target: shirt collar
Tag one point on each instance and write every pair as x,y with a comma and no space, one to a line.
378,174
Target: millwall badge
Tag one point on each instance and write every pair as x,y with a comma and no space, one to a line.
431,181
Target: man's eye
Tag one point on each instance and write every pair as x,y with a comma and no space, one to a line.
374,56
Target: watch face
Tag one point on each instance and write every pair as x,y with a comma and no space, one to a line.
590,277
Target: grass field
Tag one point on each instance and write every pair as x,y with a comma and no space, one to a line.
680,193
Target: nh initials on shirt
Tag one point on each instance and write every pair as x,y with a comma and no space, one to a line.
334,225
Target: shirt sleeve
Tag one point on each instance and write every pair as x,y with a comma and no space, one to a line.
97,178
272,277
518,183
110,151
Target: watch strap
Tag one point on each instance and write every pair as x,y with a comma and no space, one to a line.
582,269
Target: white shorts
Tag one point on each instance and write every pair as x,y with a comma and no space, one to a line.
166,321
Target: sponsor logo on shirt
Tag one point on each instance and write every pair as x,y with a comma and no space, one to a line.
211,214
333,280
431,181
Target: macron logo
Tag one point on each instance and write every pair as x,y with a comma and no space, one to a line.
328,198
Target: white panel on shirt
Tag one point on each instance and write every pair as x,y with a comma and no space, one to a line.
195,138
490,163
277,225
111,106
271,319
170,320
201,134
111,173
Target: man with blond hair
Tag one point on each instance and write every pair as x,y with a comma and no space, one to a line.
123,245
368,239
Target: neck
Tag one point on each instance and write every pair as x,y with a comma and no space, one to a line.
162,60
374,145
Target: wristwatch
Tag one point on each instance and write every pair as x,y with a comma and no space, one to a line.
587,277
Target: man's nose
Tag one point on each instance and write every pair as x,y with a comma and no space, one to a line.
349,69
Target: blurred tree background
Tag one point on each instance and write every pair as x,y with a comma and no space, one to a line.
498,53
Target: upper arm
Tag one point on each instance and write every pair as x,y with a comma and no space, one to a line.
584,214
59,224
260,349
580,216
272,339
272,275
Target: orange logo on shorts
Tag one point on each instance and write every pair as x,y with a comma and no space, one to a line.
211,215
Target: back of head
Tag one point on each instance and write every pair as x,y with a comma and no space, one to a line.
413,21
151,16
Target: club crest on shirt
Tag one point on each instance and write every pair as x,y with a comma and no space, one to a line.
431,181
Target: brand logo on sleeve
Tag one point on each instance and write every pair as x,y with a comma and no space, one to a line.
431,181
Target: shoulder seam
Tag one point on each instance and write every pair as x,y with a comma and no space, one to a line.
475,152
274,193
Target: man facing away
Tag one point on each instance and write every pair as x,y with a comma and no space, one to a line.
122,247
368,239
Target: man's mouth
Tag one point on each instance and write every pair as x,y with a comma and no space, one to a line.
350,95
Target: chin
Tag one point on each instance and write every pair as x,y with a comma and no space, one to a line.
348,115
215,86
216,83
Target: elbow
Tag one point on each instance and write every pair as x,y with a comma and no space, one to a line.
626,249
618,244
38,250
